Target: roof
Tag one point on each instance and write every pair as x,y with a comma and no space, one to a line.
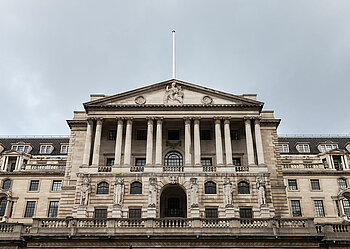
313,143
35,144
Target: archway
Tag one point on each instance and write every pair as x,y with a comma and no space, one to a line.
173,202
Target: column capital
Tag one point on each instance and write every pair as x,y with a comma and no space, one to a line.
150,117
159,120
227,121
129,120
217,121
99,120
196,121
119,118
187,120
218,117
120,121
150,121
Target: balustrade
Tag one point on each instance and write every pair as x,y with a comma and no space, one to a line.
173,168
241,168
136,169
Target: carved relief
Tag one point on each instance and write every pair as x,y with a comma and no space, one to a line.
173,94
152,196
194,192
260,185
207,100
227,192
173,179
119,191
85,191
140,100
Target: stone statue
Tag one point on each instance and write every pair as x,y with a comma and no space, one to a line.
194,192
174,93
119,191
152,197
227,192
260,185
85,191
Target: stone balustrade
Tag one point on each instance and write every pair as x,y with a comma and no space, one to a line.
45,167
288,166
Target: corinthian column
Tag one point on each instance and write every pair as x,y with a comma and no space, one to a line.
149,148
127,149
258,142
197,143
228,147
88,137
159,141
97,143
249,142
118,142
188,159
218,142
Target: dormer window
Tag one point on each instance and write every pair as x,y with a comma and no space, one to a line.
283,148
64,148
303,148
327,147
21,148
46,149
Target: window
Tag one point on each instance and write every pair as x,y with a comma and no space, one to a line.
210,187
243,188
342,183
30,207
245,213
327,147
53,209
296,209
205,135
315,184
6,184
34,185
236,161
319,210
211,213
102,188
3,203
283,148
101,213
234,135
338,207
140,162
206,162
303,148
173,135
173,158
141,135
45,149
134,213
56,185
346,205
292,184
110,161
136,188
64,149
21,148
111,135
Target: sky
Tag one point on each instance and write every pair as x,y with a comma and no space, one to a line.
294,54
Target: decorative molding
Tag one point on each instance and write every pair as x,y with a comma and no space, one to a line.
207,100
140,100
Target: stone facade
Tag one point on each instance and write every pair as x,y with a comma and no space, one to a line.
172,158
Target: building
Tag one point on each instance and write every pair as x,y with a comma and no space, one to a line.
174,165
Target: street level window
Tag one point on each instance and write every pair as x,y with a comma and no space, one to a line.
292,184
284,148
34,185
141,135
56,185
243,188
30,208
236,161
6,184
303,148
45,149
134,213
210,187
53,209
342,183
315,184
100,213
234,135
206,162
211,213
319,210
64,149
296,209
136,188
102,188
245,213
140,162
173,134
205,135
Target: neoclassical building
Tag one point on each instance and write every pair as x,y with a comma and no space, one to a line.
174,165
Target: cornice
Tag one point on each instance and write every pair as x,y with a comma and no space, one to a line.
77,123
34,173
308,173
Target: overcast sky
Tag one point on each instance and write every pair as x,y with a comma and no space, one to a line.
294,54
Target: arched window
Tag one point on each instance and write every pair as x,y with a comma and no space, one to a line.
210,187
173,158
243,188
3,203
342,183
6,184
103,188
136,188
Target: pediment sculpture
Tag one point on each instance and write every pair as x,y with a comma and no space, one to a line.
173,94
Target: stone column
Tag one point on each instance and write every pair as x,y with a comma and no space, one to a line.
149,148
218,142
88,138
97,143
188,158
249,142
258,142
332,162
118,142
5,162
159,141
197,142
228,147
127,149
342,158
17,163
8,208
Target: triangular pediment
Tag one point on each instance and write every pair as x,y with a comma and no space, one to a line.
173,92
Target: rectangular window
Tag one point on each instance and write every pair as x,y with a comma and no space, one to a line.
234,135
292,184
236,161
134,213
45,149
64,149
173,135
283,148
141,135
100,213
111,135
245,213
303,148
211,213
296,209
326,147
140,162
30,208
315,184
319,210
53,209
205,135
110,161
206,162
34,185
56,185
346,205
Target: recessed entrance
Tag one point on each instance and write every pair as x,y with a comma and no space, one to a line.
173,202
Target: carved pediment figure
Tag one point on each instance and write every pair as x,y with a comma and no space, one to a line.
173,94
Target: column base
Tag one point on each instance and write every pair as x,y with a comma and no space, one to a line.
117,211
82,212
